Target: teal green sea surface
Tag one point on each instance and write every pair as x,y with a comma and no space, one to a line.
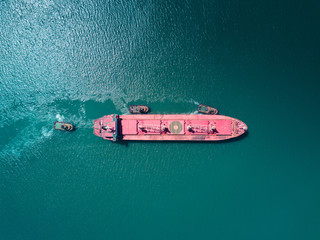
258,61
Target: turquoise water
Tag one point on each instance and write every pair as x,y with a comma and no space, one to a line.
257,61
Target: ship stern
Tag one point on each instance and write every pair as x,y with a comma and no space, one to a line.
106,127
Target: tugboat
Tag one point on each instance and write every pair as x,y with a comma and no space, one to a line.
63,126
138,109
207,110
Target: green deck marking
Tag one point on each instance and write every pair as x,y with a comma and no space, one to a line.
175,127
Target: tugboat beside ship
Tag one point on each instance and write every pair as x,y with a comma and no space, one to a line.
207,110
138,109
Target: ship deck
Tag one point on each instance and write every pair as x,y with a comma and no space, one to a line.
169,127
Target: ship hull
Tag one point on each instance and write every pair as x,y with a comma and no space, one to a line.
168,127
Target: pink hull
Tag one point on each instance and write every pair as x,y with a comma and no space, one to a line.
164,127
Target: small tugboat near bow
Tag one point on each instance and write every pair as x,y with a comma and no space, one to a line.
207,110
63,126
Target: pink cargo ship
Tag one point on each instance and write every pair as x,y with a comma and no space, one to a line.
178,127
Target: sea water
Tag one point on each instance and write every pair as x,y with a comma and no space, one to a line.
76,61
